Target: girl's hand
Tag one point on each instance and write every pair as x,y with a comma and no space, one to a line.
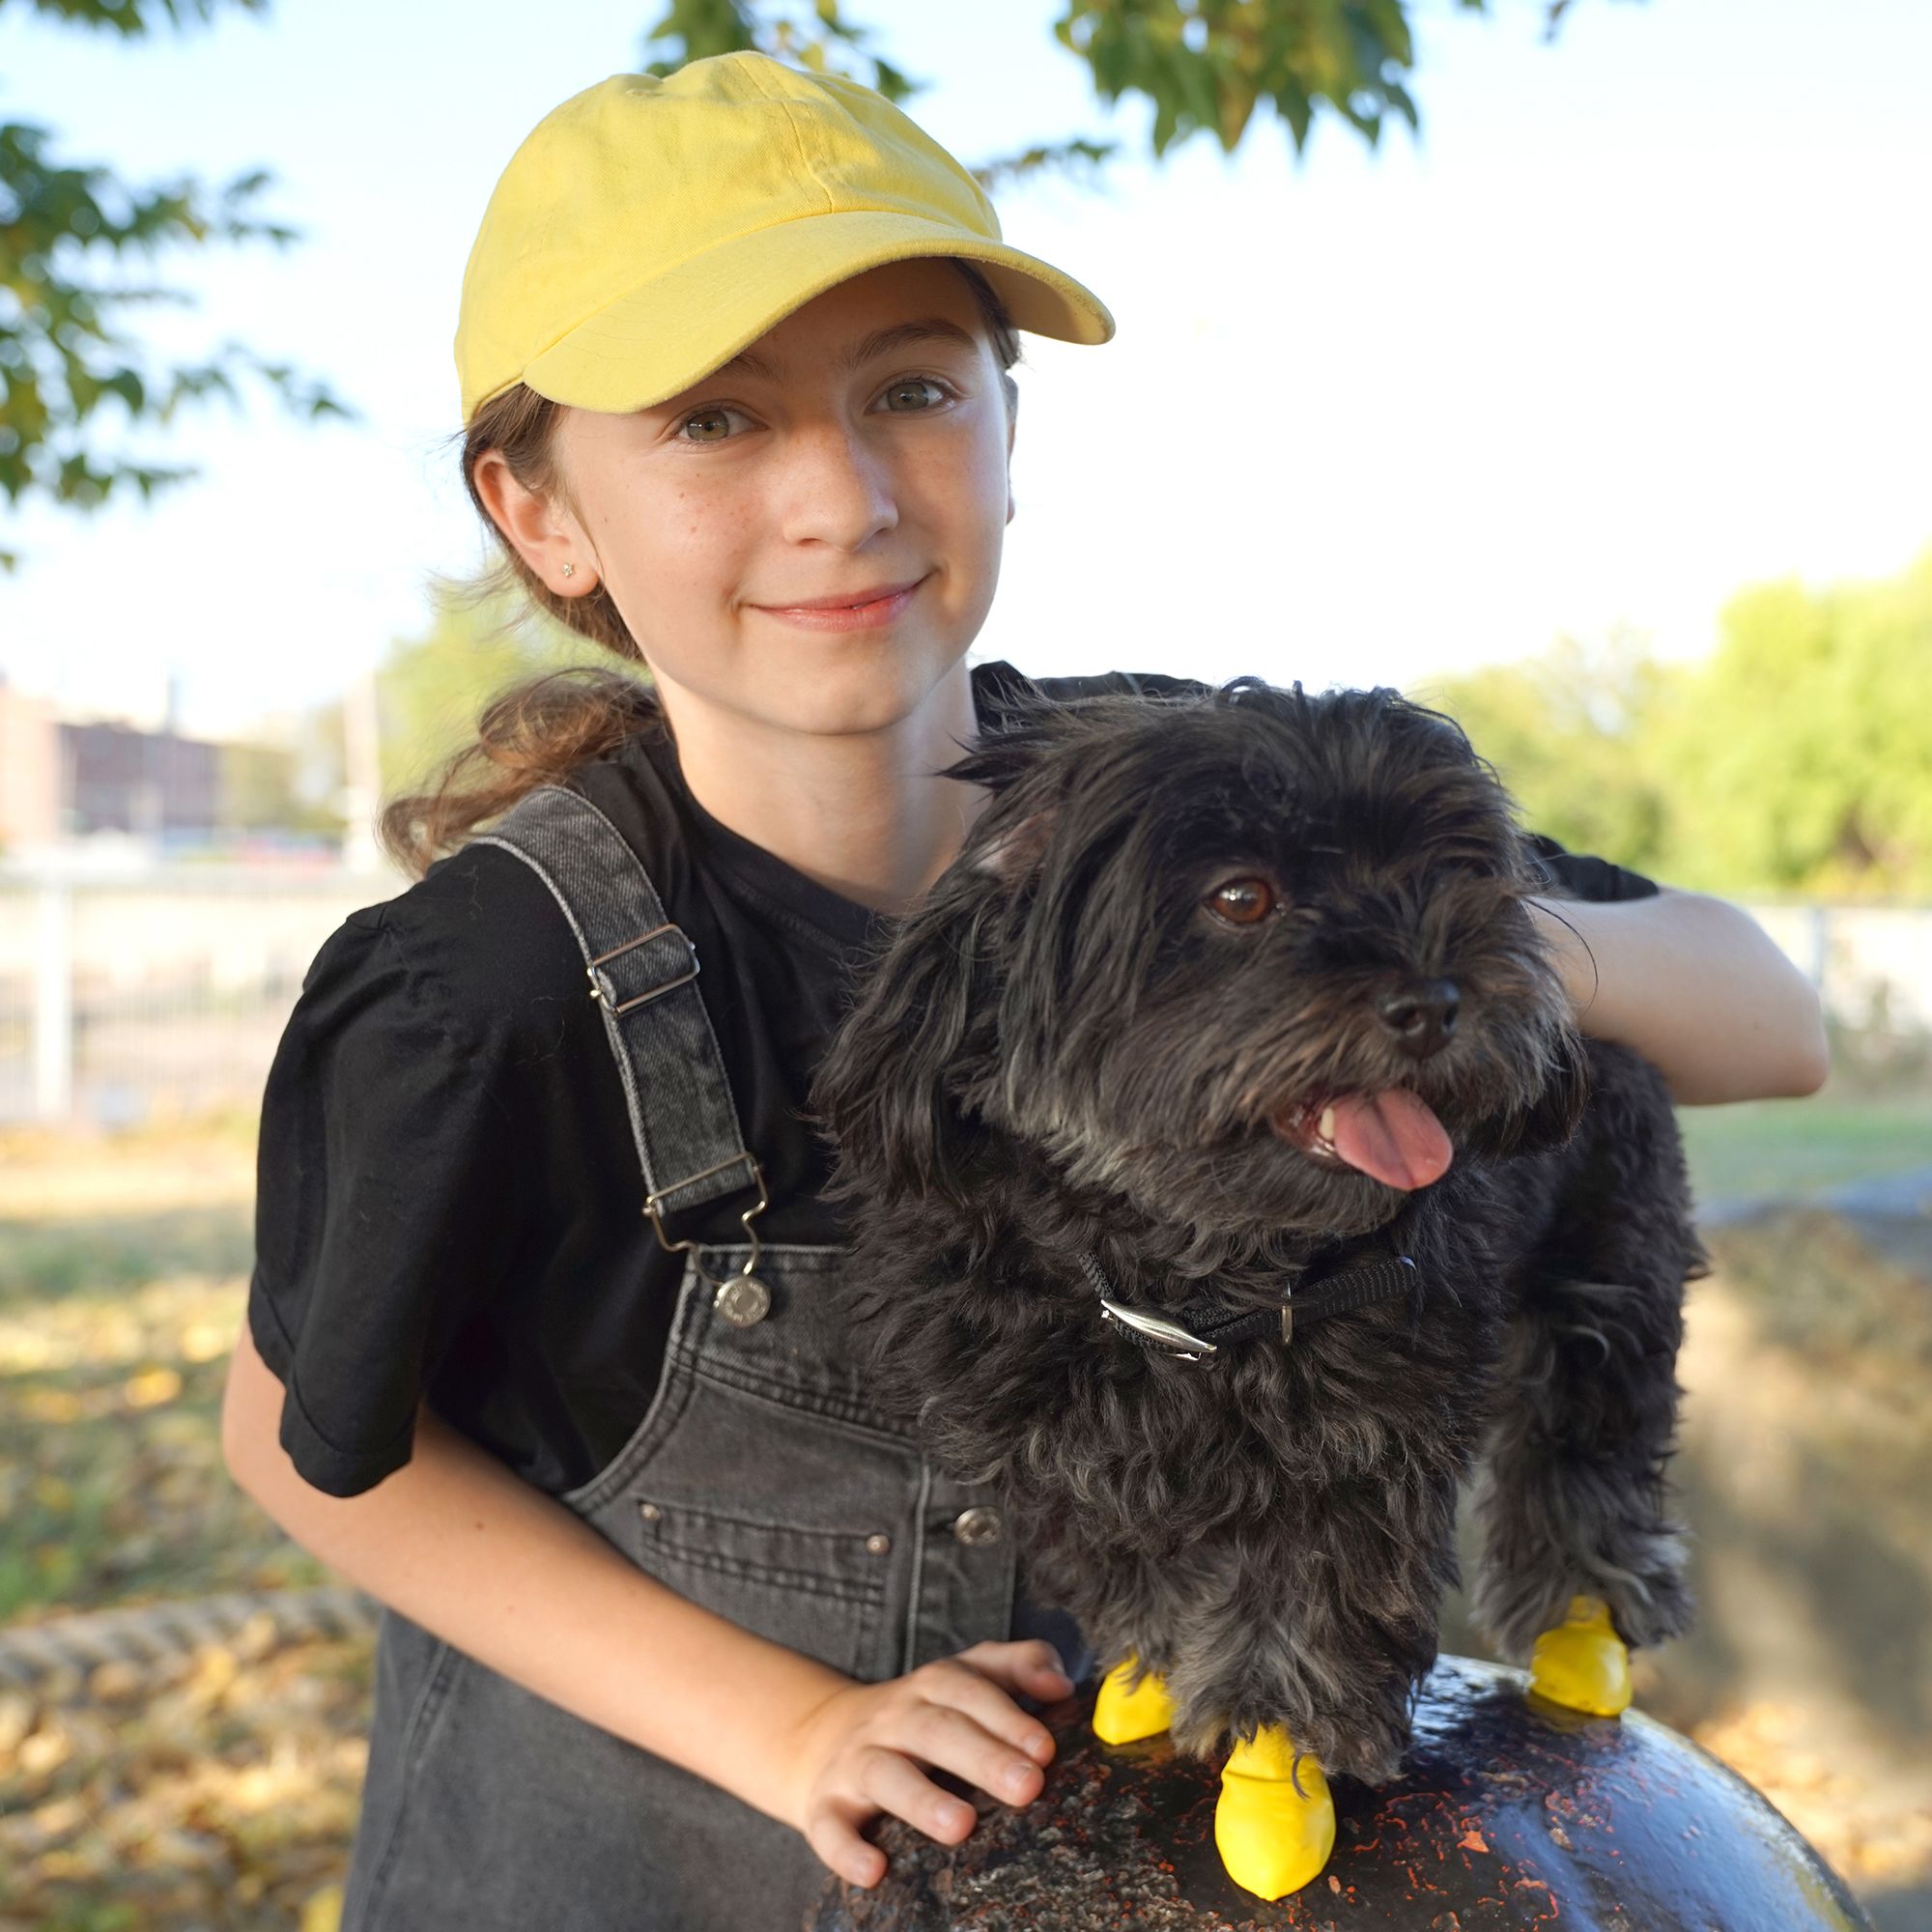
861,1751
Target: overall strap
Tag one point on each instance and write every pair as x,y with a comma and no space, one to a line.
643,974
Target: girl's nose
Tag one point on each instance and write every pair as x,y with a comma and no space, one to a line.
838,488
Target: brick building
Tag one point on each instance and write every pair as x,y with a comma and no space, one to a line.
63,779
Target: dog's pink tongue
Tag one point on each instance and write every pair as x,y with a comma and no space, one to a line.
1392,1135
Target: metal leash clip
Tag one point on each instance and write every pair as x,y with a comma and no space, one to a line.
1169,1334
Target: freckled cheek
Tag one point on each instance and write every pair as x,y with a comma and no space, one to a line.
695,550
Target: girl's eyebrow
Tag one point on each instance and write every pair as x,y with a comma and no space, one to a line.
900,335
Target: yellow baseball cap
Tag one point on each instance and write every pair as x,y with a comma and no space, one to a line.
648,230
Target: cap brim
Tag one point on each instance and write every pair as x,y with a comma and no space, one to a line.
659,338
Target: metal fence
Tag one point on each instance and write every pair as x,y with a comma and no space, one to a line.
128,996
131,996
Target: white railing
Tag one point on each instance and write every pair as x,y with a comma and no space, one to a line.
163,989
158,990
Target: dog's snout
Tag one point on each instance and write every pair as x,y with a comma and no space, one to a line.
1421,1013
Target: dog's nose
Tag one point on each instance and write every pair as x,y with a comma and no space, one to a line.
1421,1013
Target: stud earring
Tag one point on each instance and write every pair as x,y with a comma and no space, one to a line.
570,570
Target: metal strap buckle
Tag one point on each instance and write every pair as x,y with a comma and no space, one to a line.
1171,1335
658,1195
1190,1348
683,978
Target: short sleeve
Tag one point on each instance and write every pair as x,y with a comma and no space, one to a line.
1578,875
385,1203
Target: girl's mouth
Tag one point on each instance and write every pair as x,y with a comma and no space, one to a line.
848,616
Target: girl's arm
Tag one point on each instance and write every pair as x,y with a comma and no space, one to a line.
461,1544
1696,986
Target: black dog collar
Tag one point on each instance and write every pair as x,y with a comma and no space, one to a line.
1200,1326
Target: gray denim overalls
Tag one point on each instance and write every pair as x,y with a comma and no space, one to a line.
760,1483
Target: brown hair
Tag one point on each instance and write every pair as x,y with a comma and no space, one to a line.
535,731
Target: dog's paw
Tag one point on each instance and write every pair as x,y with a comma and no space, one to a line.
1660,1607
1272,1836
1368,1743
1121,1716
1582,1663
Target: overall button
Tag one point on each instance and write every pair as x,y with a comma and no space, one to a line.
743,1300
976,1525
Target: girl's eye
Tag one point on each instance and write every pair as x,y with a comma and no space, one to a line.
711,415
1242,901
917,383
712,419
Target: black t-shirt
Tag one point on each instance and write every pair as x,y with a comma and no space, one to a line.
449,1200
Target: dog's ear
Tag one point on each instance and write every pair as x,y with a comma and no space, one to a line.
883,1095
1552,1117
1012,856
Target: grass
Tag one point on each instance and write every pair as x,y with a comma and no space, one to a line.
1795,1148
123,1278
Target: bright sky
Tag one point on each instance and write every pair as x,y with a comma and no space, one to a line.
1644,316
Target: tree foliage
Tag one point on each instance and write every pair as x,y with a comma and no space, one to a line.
1797,759
1206,65
1804,747
63,352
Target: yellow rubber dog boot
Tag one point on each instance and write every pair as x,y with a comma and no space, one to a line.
1121,1716
1582,1663
1273,1838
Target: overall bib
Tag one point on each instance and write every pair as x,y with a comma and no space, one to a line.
760,1483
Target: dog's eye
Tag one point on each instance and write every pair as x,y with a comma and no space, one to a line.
1242,901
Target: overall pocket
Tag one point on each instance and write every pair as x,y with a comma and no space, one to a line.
821,1591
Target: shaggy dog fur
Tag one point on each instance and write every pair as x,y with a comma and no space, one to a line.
1084,1038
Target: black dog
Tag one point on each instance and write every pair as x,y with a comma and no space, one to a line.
1231,1176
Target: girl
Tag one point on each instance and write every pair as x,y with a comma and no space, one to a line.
669,1616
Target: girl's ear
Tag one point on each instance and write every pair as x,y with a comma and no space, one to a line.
886,1092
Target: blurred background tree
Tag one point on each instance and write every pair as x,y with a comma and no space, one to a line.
1797,759
1801,752
431,687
